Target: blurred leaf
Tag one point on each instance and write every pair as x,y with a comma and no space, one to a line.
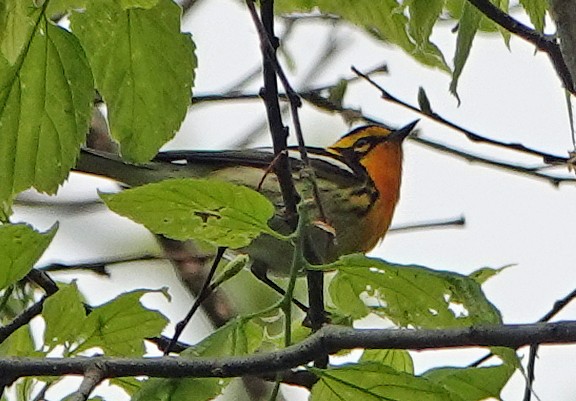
383,19
536,10
423,102
64,315
218,212
374,382
468,26
397,359
472,384
20,247
120,326
46,93
144,68
408,295
337,92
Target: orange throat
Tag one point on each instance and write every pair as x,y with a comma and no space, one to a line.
384,165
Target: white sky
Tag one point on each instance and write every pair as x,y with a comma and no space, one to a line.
511,96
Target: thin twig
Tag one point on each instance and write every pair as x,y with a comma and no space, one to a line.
532,172
547,158
204,293
98,267
547,44
531,366
458,222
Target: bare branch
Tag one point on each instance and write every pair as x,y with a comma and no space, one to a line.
205,292
329,339
547,44
459,222
92,377
547,158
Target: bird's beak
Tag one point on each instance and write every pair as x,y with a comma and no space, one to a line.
401,133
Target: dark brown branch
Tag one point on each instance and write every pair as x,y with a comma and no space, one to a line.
542,42
329,339
270,96
44,281
316,315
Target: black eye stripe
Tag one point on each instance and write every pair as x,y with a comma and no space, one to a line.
365,144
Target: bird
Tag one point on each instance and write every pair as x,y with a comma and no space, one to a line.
358,178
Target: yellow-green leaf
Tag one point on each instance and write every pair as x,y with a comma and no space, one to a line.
143,67
218,212
20,247
46,93
408,295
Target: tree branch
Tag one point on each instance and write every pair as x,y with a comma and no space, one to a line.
547,158
542,42
316,315
329,339
92,377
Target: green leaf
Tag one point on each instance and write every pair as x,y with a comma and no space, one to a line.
472,384
129,384
59,7
180,389
120,326
45,107
145,4
237,337
408,295
423,16
17,22
64,315
383,19
482,275
468,26
374,382
144,68
20,343
20,247
218,212
536,10
397,359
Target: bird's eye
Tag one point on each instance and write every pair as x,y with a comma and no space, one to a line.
362,145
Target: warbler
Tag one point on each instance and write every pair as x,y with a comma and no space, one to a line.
358,178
